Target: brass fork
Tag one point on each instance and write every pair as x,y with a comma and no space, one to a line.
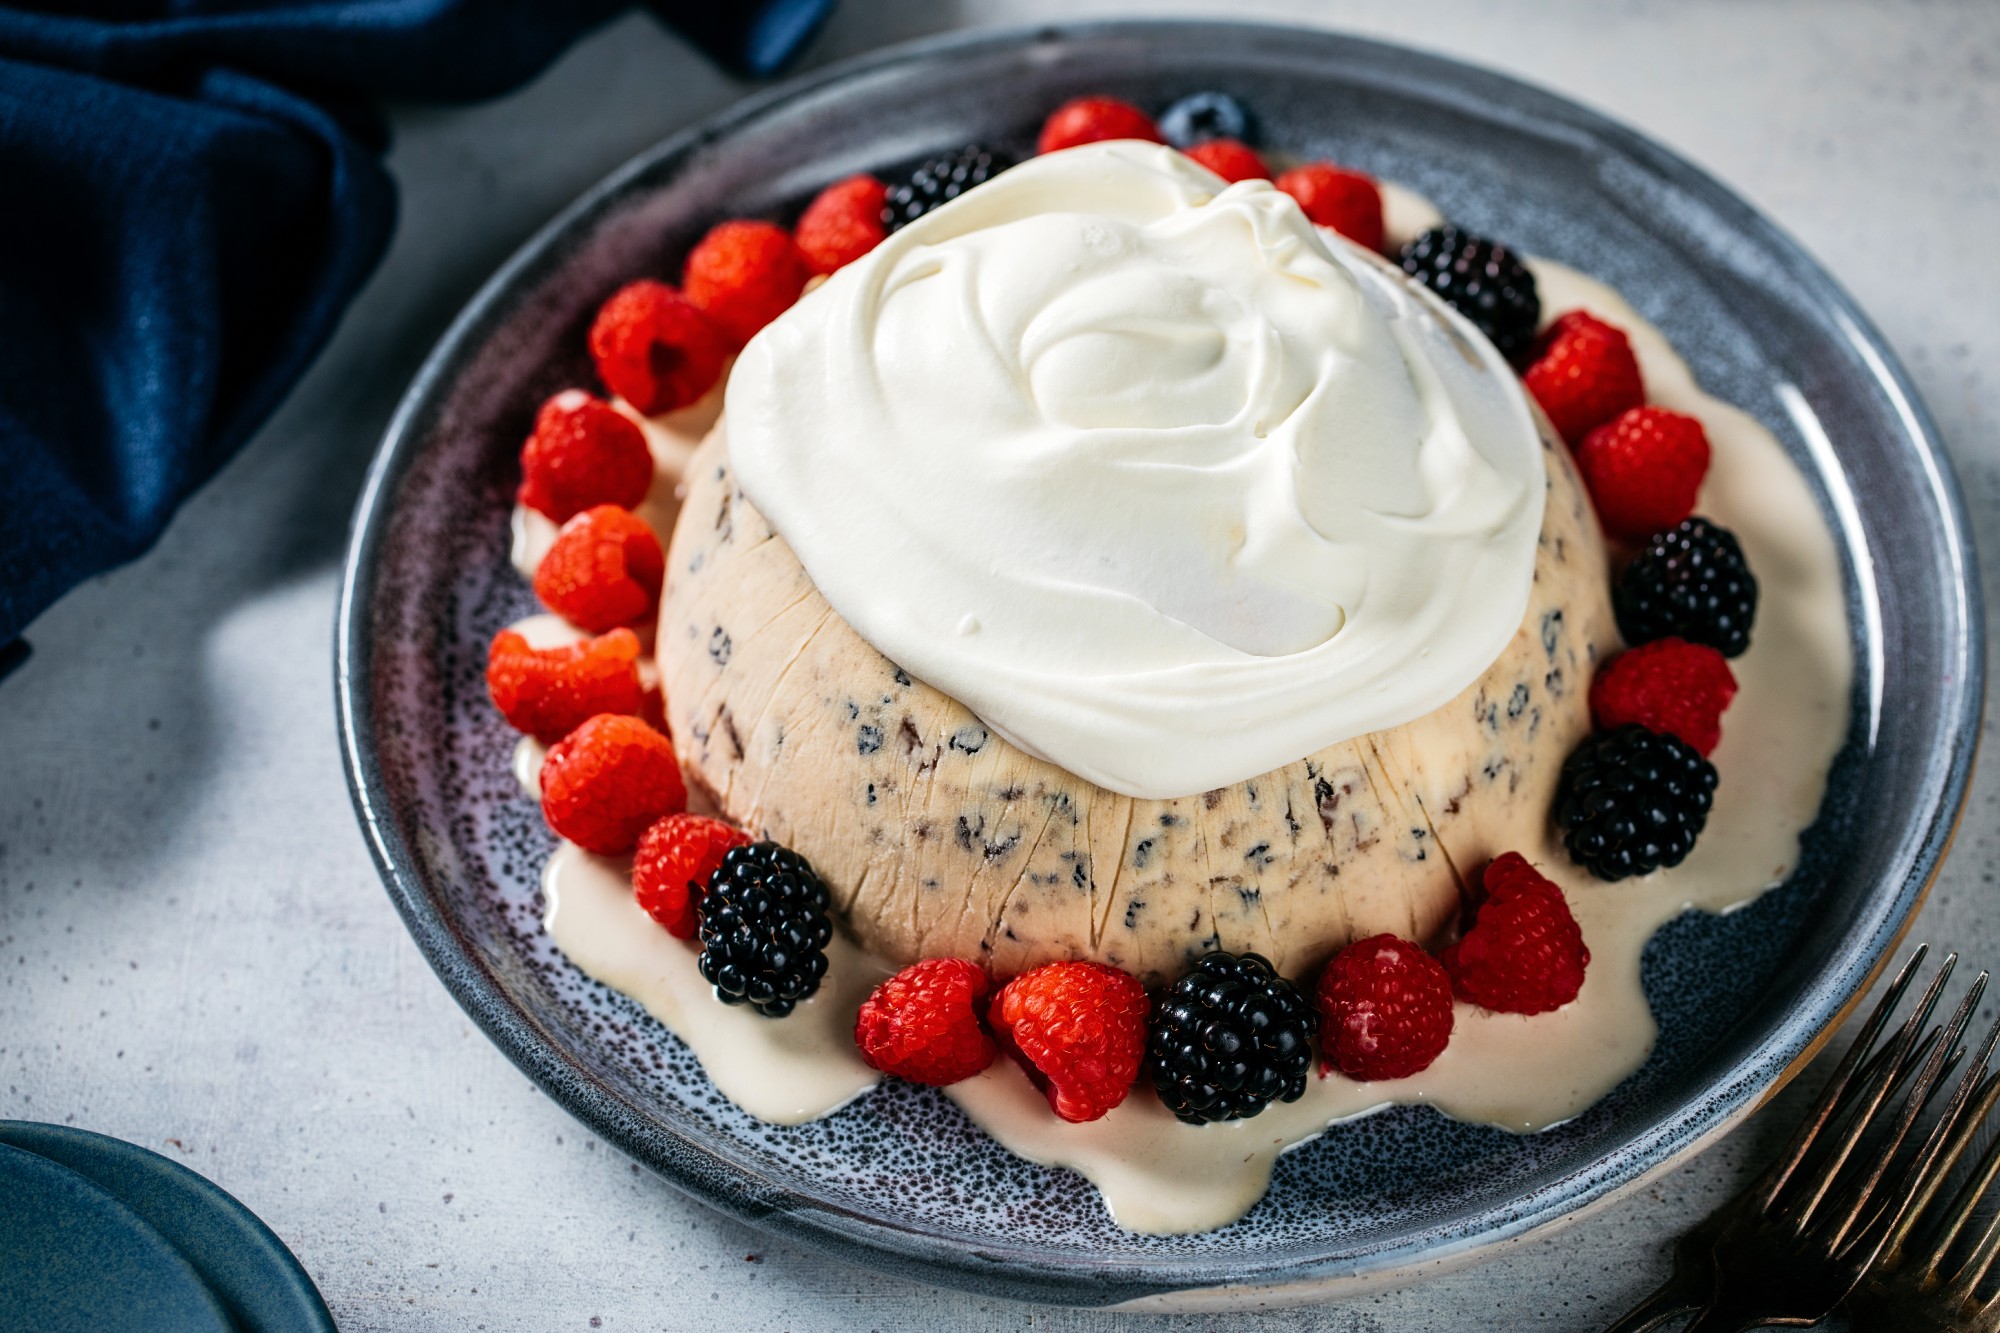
1918,1288
1790,1247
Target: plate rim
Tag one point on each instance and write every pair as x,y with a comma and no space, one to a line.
736,1189
297,1308
166,1263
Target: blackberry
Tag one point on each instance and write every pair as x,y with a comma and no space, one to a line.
1691,582
1199,117
1632,801
1228,1039
939,181
1482,280
764,929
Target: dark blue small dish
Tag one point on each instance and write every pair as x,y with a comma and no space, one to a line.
248,1270
901,1180
73,1259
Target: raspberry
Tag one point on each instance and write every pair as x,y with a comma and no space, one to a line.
1668,685
550,692
607,781
1385,1009
923,1023
604,570
1092,120
842,223
1524,953
670,870
744,275
1644,470
1231,159
1585,374
1079,1029
1346,201
583,453
655,348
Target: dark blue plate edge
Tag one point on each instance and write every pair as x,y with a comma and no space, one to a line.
169,1254
758,1200
307,1308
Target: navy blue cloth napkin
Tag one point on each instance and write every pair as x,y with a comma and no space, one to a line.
191,191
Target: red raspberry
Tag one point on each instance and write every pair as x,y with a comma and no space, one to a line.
606,782
550,692
1093,120
1231,159
1524,953
583,453
1346,201
1667,685
671,868
1585,374
655,348
745,274
923,1023
1644,470
1079,1029
1385,1009
843,223
604,570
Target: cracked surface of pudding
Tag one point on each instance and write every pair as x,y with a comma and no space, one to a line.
939,838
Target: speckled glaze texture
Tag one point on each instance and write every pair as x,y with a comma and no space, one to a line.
900,1179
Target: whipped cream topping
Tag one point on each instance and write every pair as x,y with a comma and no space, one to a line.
1166,486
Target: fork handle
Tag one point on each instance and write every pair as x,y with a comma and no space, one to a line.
1670,1301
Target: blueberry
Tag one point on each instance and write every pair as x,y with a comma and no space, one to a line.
1199,117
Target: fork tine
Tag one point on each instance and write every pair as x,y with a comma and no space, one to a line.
1921,1090
1916,1059
1944,1147
1987,1248
1966,1202
1828,1171
1831,1097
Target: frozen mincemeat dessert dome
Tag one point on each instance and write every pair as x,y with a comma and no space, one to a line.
1112,566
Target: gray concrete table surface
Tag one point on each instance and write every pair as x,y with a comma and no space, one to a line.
195,953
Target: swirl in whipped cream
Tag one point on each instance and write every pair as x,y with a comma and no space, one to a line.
1165,485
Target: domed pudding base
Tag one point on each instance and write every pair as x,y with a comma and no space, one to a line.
938,838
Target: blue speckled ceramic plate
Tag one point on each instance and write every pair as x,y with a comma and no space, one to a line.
900,1179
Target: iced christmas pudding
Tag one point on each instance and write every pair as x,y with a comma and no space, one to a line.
1173,651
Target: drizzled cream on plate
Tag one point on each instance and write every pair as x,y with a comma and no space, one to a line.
1162,483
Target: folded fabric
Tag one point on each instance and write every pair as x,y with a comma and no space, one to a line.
194,193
